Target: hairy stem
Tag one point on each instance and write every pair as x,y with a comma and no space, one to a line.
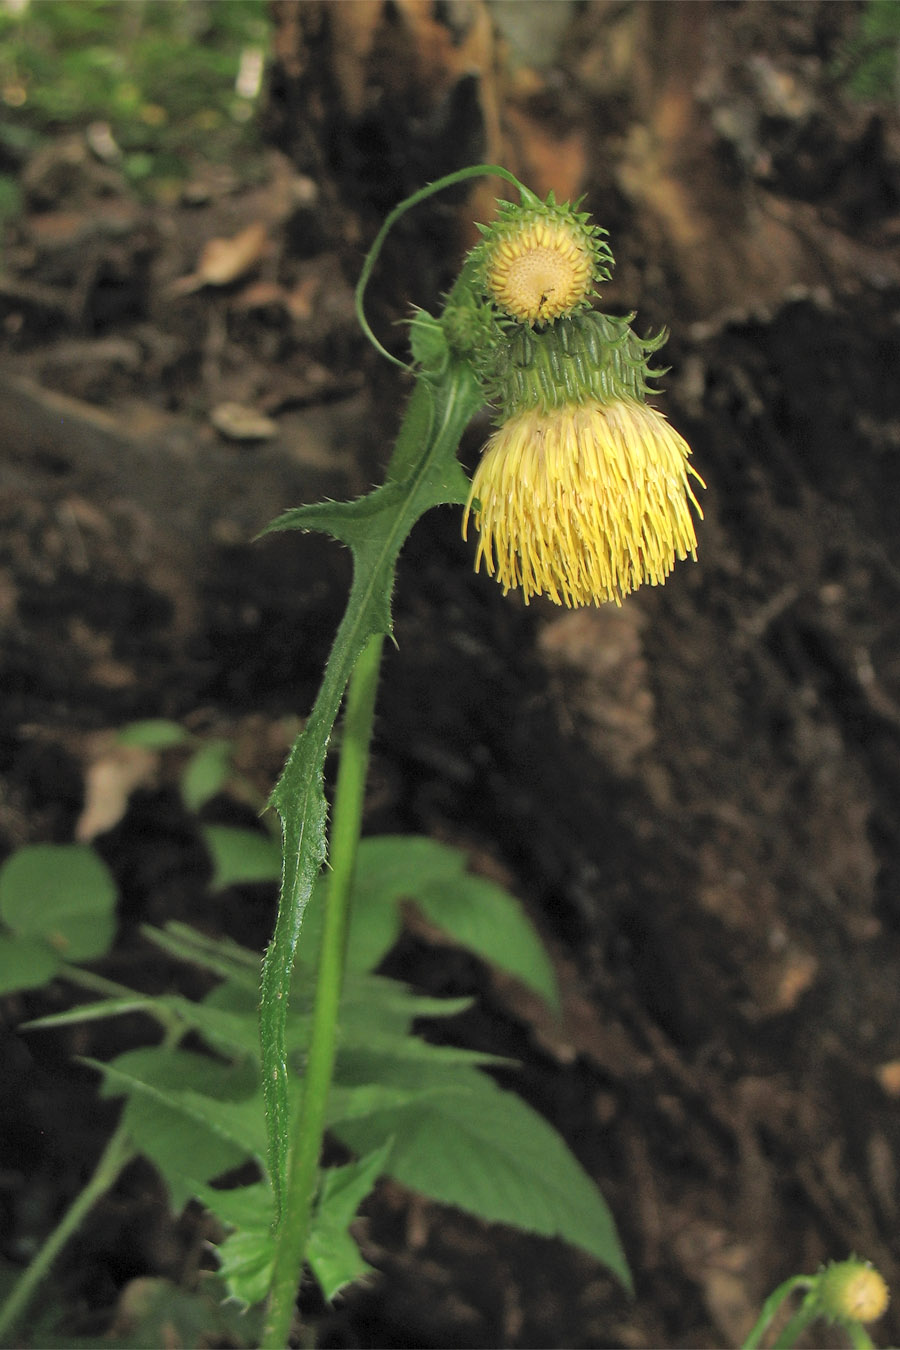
293,1232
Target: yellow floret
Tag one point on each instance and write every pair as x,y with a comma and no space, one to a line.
583,503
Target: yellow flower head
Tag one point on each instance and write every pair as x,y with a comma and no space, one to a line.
584,502
542,261
853,1291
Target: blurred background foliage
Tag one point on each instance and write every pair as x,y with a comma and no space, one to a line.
156,83
872,64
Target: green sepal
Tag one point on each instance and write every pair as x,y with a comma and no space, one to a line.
428,344
585,358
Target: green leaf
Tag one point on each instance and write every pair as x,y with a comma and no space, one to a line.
217,954
193,1117
374,1002
205,773
389,868
487,1152
332,1253
423,474
487,920
241,856
63,893
370,1099
428,343
153,734
95,1012
226,1018
25,963
246,1256
476,913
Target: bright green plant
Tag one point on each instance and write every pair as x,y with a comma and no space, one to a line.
582,495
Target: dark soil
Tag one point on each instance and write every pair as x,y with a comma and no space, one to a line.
695,795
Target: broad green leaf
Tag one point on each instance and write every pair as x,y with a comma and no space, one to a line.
371,1099
389,868
222,1099
485,1151
190,1134
241,855
409,1063
487,920
63,893
476,913
424,473
205,773
182,1149
25,963
154,734
374,999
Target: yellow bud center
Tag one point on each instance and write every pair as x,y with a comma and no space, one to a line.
866,1296
540,272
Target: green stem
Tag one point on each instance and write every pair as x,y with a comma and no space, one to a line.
791,1330
859,1337
115,1156
771,1306
449,180
293,1232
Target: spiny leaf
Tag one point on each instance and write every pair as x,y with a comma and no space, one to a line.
247,1254
424,472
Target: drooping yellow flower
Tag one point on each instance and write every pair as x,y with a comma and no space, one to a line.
583,503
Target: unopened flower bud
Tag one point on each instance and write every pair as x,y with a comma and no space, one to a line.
540,261
853,1291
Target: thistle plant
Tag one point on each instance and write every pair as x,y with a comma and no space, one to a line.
582,495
